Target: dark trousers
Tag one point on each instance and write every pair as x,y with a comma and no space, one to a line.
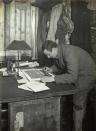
79,108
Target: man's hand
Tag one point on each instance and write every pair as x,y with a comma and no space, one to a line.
47,79
47,69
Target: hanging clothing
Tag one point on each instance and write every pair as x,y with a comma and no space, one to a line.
65,26
55,14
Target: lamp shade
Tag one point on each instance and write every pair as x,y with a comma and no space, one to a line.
18,45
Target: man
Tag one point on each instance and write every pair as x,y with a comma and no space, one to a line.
72,65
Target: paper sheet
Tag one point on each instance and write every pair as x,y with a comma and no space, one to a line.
34,86
5,73
37,86
3,69
24,87
22,81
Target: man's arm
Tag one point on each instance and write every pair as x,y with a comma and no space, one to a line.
72,69
54,69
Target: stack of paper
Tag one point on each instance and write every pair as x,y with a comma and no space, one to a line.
3,69
34,86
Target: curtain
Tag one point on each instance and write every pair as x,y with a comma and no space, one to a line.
65,25
55,14
42,36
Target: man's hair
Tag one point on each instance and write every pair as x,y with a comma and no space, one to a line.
48,45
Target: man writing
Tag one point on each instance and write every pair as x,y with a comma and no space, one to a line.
80,69
72,65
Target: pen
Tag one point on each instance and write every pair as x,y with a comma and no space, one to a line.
51,74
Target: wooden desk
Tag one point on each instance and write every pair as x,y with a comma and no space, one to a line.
29,111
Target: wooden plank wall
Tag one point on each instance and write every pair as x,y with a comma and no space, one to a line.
1,29
93,32
21,22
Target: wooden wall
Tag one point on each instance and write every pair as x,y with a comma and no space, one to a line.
21,22
93,32
1,29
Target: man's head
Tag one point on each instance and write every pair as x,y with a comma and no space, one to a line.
50,49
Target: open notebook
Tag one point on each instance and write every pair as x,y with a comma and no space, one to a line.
31,80
35,74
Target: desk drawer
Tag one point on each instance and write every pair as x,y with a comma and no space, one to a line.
36,115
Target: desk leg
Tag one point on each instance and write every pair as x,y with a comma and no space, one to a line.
0,117
66,113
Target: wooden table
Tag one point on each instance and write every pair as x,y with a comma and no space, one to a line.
30,111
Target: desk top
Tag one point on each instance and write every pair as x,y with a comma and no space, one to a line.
11,93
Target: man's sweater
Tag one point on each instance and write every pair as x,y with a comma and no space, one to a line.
80,66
